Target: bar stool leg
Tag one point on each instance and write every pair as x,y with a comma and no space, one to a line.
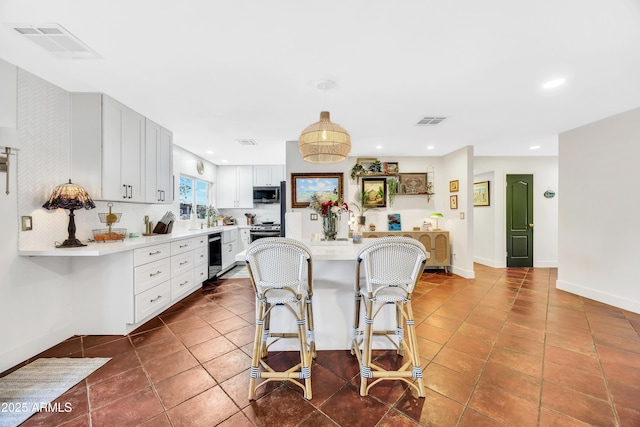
365,367
413,345
257,349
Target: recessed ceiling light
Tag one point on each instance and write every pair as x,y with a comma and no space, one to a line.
430,147
209,151
378,147
534,147
224,161
553,83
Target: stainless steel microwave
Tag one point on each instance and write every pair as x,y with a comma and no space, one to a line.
266,194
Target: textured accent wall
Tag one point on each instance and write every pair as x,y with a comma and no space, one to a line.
43,119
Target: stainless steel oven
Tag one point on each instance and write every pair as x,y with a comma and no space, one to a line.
260,231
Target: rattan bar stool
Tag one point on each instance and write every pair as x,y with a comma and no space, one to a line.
281,273
392,267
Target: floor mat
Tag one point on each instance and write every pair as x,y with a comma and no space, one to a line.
32,388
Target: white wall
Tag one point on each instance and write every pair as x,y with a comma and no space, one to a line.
414,210
458,165
598,237
545,211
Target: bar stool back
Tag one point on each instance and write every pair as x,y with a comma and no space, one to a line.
281,274
392,267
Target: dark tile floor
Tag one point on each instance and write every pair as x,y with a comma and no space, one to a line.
504,349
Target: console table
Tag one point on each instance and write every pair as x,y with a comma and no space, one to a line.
436,243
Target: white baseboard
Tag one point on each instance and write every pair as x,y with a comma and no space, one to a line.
35,346
467,274
489,262
599,296
545,264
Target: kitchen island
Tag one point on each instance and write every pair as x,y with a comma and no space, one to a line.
334,270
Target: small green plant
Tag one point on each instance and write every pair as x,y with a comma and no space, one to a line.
357,170
392,189
361,200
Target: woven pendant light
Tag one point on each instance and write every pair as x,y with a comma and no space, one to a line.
324,142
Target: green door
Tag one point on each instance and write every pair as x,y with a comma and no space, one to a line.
519,220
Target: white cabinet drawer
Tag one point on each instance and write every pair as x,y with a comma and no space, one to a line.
152,300
149,275
150,253
180,246
182,284
201,241
200,255
201,273
181,263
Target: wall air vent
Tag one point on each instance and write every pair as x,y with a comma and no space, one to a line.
55,39
431,121
246,141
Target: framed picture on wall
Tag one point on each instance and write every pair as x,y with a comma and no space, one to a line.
376,190
481,195
453,202
453,186
413,183
304,185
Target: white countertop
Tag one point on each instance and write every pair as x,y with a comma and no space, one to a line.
325,251
128,244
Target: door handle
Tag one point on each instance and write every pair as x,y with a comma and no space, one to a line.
531,225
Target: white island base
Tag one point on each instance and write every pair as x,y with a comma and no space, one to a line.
334,269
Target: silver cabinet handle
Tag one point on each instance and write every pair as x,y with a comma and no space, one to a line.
125,191
155,274
154,253
183,263
184,283
155,299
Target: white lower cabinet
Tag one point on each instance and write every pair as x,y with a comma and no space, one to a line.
151,280
166,273
117,292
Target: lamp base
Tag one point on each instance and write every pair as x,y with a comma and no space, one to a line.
71,243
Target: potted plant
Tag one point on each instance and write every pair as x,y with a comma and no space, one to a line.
362,198
392,189
357,170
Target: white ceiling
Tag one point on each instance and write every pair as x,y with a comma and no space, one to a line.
216,71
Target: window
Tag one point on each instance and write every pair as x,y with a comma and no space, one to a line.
194,197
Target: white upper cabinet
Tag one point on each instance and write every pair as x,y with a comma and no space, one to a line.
268,175
109,151
159,163
235,187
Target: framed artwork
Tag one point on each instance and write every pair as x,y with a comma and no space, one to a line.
453,186
453,202
303,185
366,162
376,189
481,195
413,183
394,222
391,167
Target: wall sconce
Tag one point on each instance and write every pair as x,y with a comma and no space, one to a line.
8,141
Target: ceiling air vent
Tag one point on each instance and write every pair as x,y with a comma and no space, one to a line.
431,121
246,141
55,39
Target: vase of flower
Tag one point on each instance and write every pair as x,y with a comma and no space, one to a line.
330,226
329,210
